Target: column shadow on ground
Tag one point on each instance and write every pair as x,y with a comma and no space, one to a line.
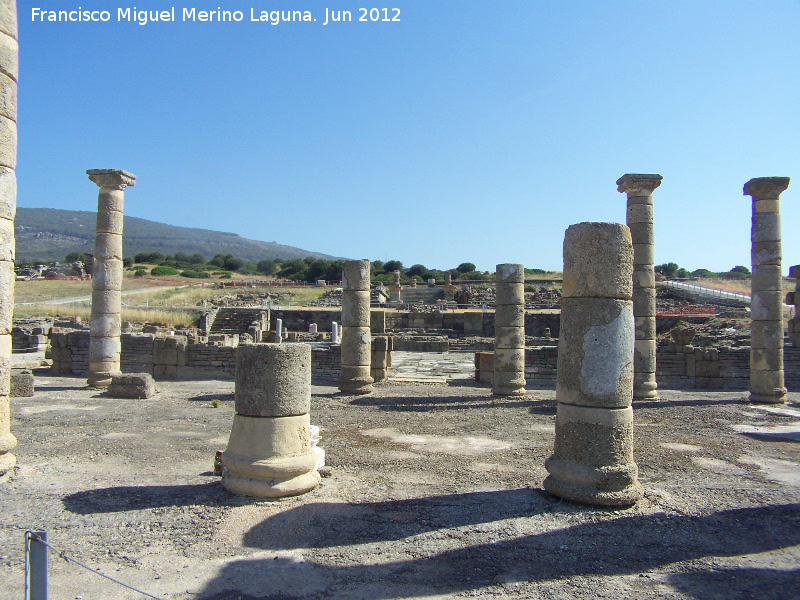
127,498
440,402
627,545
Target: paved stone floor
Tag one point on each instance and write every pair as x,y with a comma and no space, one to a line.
433,367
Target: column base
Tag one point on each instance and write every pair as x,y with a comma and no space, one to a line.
7,462
270,488
777,397
100,380
615,485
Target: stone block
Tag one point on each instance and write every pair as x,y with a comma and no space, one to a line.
355,308
766,334
766,227
598,261
7,285
639,213
644,302
767,278
107,246
133,386
595,352
508,315
766,359
508,383
766,305
355,379
109,221
8,193
9,53
273,380
110,200
645,328
355,275
107,276
765,253
510,360
509,337
643,276
510,293
643,254
641,233
106,325
510,273
6,240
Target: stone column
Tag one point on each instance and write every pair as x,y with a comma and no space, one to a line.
269,453
592,461
639,189
355,376
8,209
766,291
509,331
395,289
104,345
448,288
793,299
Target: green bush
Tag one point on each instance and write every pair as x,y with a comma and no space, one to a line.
163,270
195,274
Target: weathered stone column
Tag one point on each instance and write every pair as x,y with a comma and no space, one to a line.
355,376
8,209
592,461
793,298
104,345
395,289
509,331
448,288
766,291
269,453
639,189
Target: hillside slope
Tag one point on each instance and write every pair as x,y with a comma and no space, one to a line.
51,233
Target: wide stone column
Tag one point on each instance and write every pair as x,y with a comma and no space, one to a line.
592,460
509,331
269,453
104,341
355,376
639,189
766,291
8,208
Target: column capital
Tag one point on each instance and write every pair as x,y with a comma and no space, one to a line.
638,182
768,188
114,179
794,272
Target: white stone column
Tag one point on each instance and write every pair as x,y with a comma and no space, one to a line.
592,459
8,208
639,189
509,331
104,341
766,291
355,377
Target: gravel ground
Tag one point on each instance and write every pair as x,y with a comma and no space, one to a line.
433,491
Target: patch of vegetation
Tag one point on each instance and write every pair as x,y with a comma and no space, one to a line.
163,270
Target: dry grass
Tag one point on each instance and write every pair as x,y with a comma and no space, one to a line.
84,310
739,286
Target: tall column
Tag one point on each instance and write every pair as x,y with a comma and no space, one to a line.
766,291
8,209
104,342
509,331
639,189
592,459
355,376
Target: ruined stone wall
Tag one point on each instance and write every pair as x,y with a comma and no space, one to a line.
540,366
137,353
326,365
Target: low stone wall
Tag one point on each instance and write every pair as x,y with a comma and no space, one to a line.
540,366
326,363
420,345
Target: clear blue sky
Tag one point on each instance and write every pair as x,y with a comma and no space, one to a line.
468,131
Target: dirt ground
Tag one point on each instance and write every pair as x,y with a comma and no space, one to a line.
433,491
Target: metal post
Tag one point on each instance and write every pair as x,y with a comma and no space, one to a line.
35,566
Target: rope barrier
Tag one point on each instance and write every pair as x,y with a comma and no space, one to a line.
69,559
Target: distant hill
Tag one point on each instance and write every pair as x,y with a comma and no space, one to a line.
50,234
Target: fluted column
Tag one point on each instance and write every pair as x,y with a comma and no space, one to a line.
104,341
592,459
766,291
355,376
509,331
8,208
639,189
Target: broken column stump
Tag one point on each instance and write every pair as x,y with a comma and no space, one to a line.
269,453
592,460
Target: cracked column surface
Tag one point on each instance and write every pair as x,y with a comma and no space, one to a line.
355,376
8,208
639,188
766,291
269,453
592,460
509,331
104,340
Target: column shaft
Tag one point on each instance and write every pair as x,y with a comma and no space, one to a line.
639,189
104,341
592,459
8,208
355,377
766,292
509,333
